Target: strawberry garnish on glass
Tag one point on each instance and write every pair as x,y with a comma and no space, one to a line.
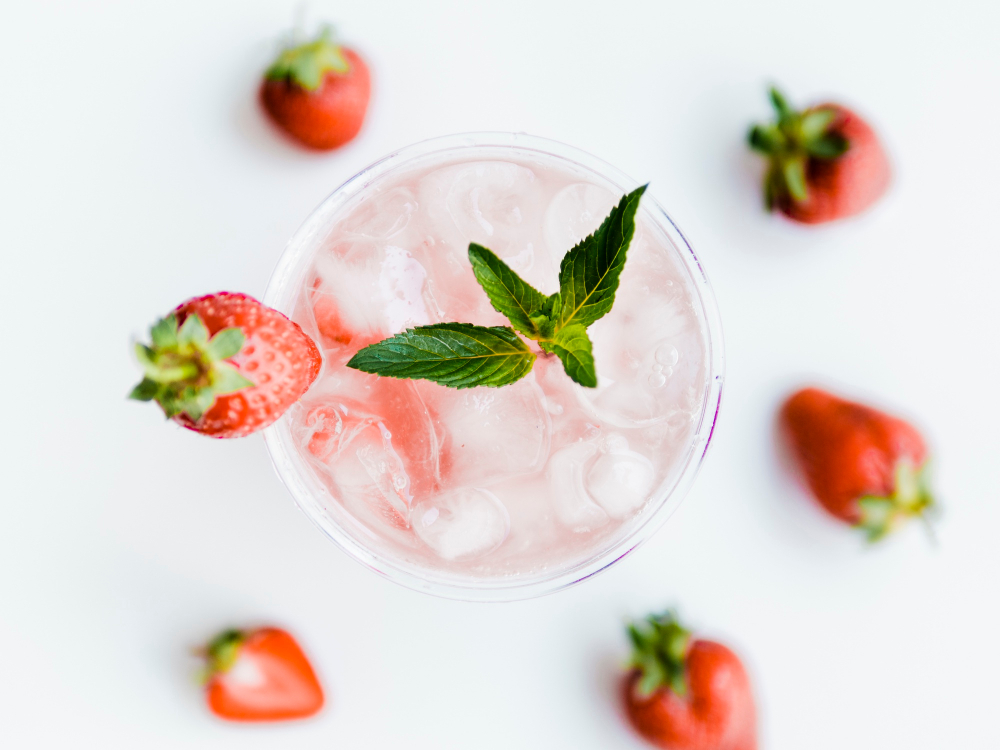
224,365
825,162
683,693
865,467
318,92
260,675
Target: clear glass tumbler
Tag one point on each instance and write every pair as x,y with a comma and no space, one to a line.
313,497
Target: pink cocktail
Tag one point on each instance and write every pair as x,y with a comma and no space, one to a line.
492,493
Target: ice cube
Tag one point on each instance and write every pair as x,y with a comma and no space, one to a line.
401,282
355,450
620,479
575,212
363,292
489,434
371,442
464,523
486,201
382,216
345,293
495,203
567,492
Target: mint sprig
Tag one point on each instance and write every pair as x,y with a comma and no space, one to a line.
462,355
588,274
459,355
509,294
572,345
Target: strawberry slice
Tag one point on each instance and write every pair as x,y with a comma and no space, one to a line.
224,365
261,675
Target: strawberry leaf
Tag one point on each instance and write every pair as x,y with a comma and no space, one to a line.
828,146
911,498
193,332
145,391
184,370
791,142
814,124
306,64
164,332
457,355
227,379
767,139
780,104
509,294
793,171
572,345
225,344
588,274
659,653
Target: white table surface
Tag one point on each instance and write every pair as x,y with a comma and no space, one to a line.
137,171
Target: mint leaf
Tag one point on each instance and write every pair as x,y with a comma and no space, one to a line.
463,355
588,274
509,293
458,355
572,345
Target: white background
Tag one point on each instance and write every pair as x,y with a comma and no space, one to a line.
136,171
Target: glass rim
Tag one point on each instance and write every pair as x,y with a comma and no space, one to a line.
280,294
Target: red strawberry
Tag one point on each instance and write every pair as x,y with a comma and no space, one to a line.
685,694
256,364
261,675
865,467
826,162
318,92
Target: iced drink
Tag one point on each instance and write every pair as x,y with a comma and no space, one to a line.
493,485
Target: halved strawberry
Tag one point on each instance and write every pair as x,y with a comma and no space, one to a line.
261,675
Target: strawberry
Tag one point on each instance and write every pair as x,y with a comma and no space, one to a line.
318,92
826,162
684,694
260,675
865,467
225,365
